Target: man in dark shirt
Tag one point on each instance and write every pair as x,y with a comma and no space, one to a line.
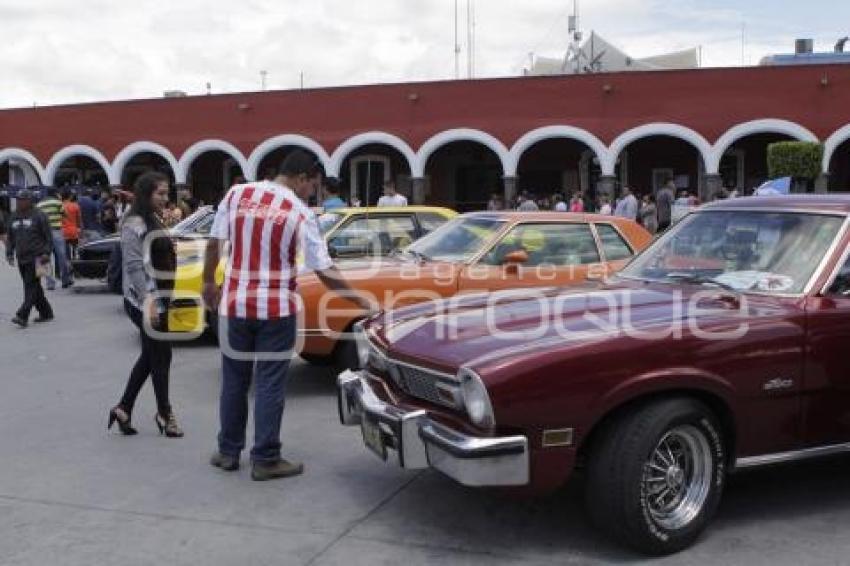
90,211
31,240
664,205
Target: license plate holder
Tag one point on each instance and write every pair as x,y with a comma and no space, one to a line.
373,437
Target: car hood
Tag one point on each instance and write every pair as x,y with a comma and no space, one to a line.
485,329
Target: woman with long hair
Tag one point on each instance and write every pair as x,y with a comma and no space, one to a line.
147,290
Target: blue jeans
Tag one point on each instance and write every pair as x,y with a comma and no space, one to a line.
60,260
246,337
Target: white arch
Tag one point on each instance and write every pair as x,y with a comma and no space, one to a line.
657,129
353,143
271,144
763,126
462,134
128,153
24,155
831,145
554,132
77,150
198,148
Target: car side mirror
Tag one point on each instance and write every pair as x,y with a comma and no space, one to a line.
513,260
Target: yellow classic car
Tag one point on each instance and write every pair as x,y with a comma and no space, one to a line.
349,232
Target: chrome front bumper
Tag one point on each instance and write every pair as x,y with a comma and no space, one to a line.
420,442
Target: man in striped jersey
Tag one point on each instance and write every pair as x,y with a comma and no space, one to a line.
51,206
267,225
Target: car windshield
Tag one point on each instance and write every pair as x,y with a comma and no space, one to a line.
458,240
764,252
328,220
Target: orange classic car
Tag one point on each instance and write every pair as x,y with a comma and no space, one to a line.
473,253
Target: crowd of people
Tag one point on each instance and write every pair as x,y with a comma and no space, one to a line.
655,212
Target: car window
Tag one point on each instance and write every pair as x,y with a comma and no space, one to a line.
430,221
328,220
759,251
841,285
374,234
547,244
613,245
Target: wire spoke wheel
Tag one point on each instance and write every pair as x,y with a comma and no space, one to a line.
677,477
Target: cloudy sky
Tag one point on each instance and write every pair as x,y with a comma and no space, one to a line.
65,51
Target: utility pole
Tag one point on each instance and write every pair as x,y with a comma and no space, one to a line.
263,75
469,39
302,80
457,44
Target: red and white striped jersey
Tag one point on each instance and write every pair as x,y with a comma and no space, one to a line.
267,226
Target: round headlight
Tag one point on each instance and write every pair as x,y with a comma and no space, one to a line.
363,346
476,399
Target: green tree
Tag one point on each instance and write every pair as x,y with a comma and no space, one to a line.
799,160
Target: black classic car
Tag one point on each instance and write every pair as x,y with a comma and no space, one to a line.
101,259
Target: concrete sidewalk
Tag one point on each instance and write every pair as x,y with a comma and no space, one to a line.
71,493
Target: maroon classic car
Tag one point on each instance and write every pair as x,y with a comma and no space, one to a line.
722,346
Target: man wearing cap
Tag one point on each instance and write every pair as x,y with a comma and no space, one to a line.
52,208
31,240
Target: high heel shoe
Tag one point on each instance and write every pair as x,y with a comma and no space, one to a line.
120,415
168,425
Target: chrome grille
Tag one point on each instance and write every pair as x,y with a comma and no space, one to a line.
418,383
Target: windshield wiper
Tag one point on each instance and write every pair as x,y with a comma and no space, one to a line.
701,280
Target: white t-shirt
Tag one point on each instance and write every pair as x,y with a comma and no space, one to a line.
561,207
395,200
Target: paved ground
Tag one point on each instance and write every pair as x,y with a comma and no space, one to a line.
71,493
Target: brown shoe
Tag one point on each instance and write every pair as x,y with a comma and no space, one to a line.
264,471
226,463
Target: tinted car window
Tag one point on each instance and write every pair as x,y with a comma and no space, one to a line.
547,244
613,244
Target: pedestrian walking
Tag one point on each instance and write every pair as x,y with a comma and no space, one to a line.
495,203
649,214
267,225
605,208
627,206
52,207
72,224
30,241
5,217
332,200
664,204
148,265
560,205
391,196
577,203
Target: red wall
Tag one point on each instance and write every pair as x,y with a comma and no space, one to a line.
709,101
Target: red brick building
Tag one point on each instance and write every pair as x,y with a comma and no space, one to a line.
455,142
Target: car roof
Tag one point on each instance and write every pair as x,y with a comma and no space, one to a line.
513,215
830,203
392,209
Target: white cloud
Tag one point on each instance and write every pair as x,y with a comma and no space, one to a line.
56,51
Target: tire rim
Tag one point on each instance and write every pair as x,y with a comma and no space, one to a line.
677,477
